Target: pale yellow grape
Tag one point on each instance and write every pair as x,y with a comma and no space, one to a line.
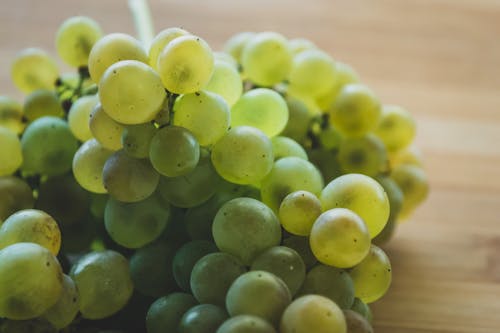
226,58
40,103
104,129
411,155
298,211
67,307
75,39
297,45
34,69
161,40
361,194
88,164
79,115
16,194
33,226
344,74
266,58
11,156
113,48
11,114
226,81
372,277
284,147
414,184
396,128
186,64
235,45
339,238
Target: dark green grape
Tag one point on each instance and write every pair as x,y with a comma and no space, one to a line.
166,312
396,199
203,318
136,139
356,323
362,308
327,163
301,246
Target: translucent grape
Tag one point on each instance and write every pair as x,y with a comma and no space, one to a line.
61,314
88,164
298,211
297,45
298,120
40,103
226,82
246,324
344,74
202,318
34,69
226,58
165,314
284,147
136,139
11,155
11,114
235,45
79,115
356,323
396,128
161,40
16,195
301,246
107,131
414,184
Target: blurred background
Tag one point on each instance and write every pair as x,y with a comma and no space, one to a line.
439,59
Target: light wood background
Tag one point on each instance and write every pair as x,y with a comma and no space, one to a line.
438,58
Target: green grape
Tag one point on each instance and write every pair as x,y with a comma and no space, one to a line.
27,326
327,162
297,45
104,283
48,147
284,147
244,155
246,324
11,155
80,236
372,276
129,179
75,39
79,115
88,164
212,275
331,282
111,49
411,155
185,64
312,73
313,313
245,227
61,314
202,318
34,69
344,74
30,281
356,323
165,314
301,246
396,128
174,151
161,41
362,308
396,198
261,108
11,114
266,58
98,203
32,226
283,262
104,129
16,195
298,211
40,103
299,119
136,224
330,138
136,139
226,81
361,194
235,45
194,111
258,293
414,184
355,111
186,257
365,154
289,174
227,59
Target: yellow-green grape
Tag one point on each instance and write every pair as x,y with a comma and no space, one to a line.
243,156
88,163
30,281
79,115
411,155
414,184
186,64
355,111
161,40
396,198
356,323
111,49
290,174
67,307
226,58
372,276
205,114
284,147
166,312
246,324
266,58
11,155
261,108
235,45
225,81
136,139
340,238
174,151
365,154
202,318
344,74
330,138
396,128
129,179
313,313
298,211
131,92
327,163
75,39
16,194
34,69
40,103
11,114
297,45
361,194
104,283
31,226
312,74
299,119
105,130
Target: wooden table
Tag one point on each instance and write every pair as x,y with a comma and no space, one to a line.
440,59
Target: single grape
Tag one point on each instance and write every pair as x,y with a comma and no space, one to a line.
62,314
246,324
226,80
297,45
344,74
299,119
165,314
16,195
88,164
136,139
366,154
356,323
41,103
104,129
11,156
396,128
202,318
11,114
330,138
235,45
79,115
284,147
298,211
161,40
34,69
362,308
414,184
396,197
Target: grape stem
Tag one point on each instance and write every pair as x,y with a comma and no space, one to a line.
141,15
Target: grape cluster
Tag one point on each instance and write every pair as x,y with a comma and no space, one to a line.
170,188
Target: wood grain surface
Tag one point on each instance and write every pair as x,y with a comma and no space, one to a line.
440,59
